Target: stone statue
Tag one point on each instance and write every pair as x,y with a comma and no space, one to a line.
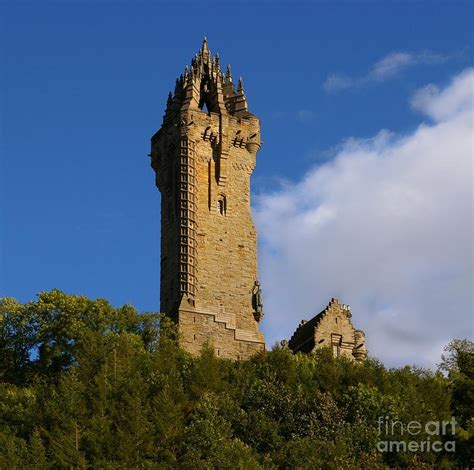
257,301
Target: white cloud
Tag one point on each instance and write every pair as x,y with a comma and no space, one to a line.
386,226
391,65
388,67
337,82
444,104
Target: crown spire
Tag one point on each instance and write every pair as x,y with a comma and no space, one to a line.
204,82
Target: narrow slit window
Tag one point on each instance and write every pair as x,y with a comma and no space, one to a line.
221,205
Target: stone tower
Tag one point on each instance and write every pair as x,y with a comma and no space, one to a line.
203,156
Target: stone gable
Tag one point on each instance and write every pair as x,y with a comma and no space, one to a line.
332,327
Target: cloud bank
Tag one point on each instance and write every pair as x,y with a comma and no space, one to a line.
387,227
385,69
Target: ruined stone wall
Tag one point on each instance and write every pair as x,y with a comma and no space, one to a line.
333,328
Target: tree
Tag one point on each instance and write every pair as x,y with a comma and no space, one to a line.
450,360
84,384
40,339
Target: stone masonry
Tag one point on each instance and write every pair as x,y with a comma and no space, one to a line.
332,327
203,156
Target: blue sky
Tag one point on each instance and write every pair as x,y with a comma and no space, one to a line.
84,85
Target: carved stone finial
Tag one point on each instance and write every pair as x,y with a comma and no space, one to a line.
178,86
205,47
228,74
216,64
347,310
240,86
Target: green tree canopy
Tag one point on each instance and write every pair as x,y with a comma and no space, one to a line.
84,384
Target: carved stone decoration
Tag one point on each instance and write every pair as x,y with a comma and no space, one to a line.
257,302
187,217
360,349
253,144
347,310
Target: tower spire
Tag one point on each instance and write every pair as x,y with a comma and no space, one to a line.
228,74
240,86
205,46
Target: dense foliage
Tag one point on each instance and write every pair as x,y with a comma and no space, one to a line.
87,385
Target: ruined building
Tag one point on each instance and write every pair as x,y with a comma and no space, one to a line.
332,327
204,155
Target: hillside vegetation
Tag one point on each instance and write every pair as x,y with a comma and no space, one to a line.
87,385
